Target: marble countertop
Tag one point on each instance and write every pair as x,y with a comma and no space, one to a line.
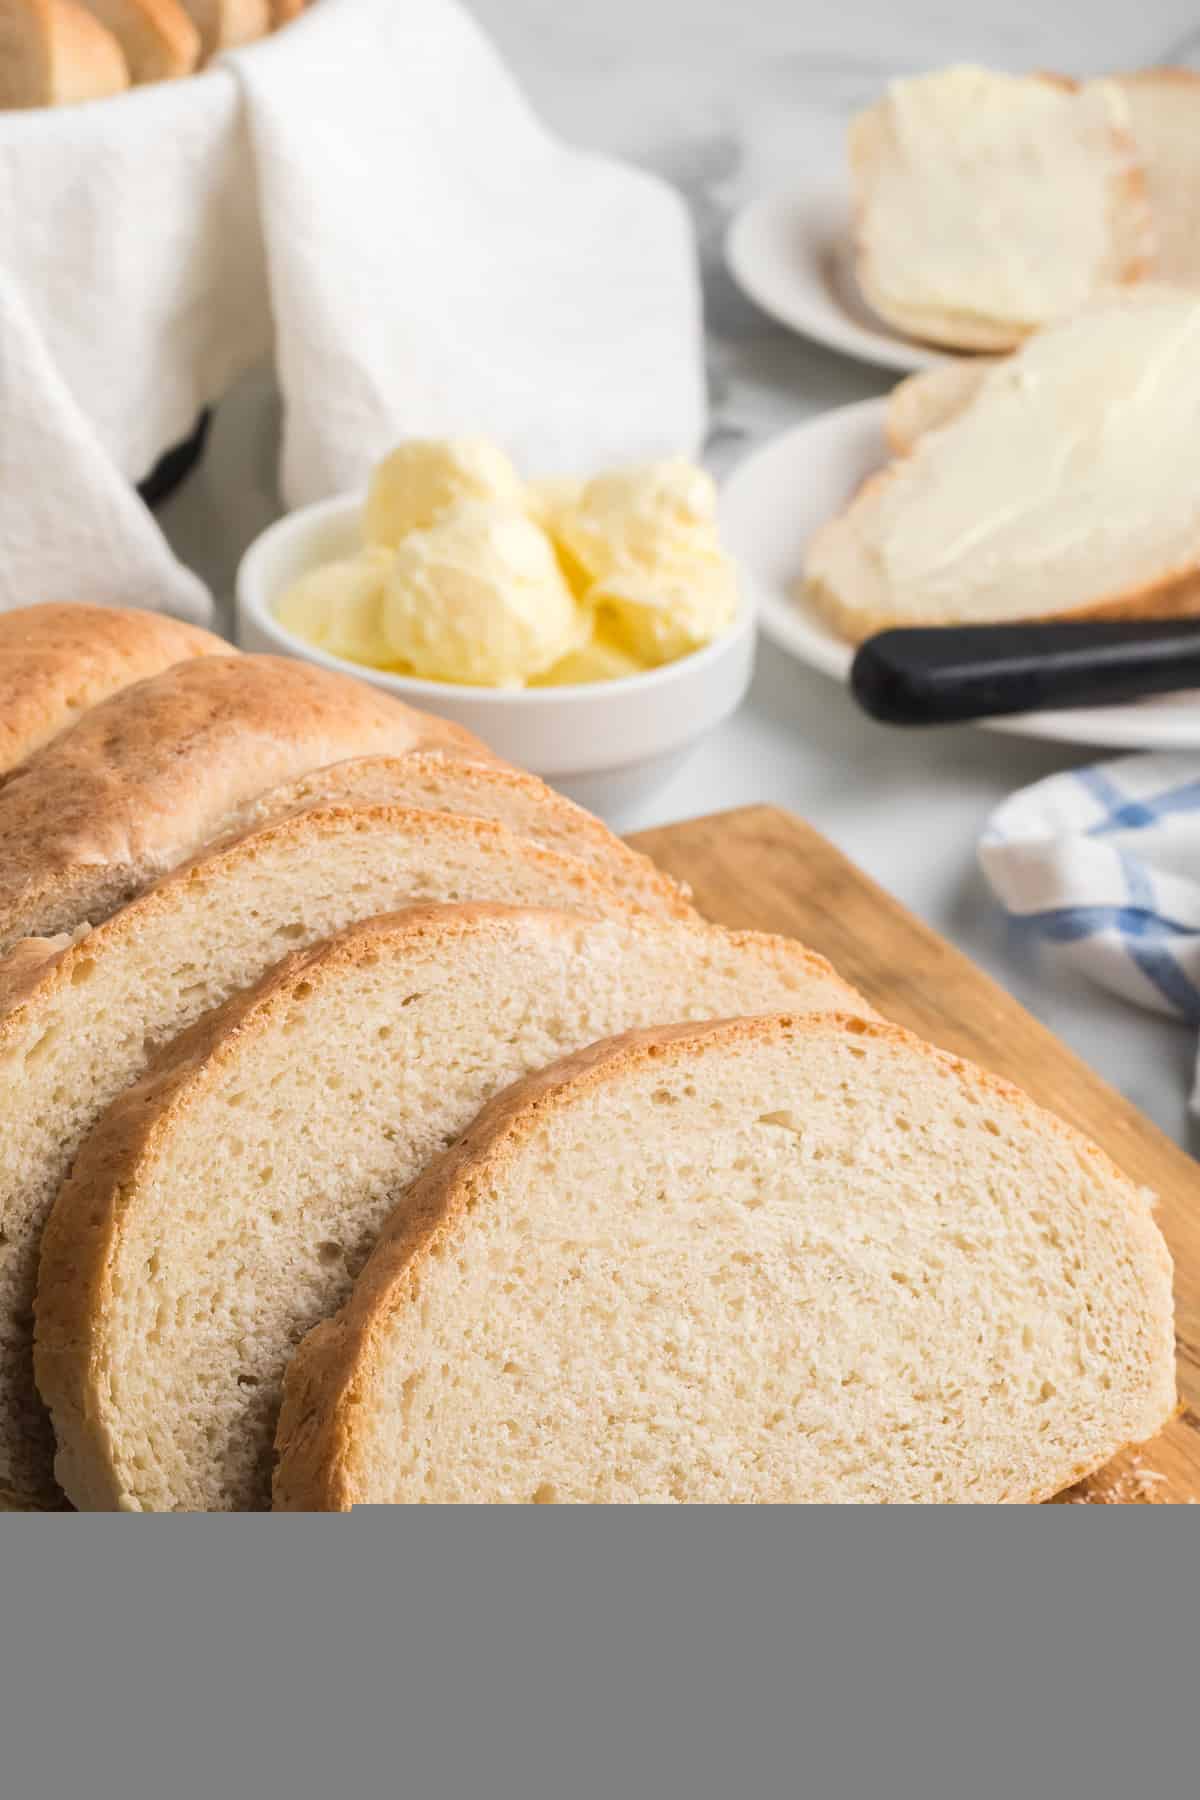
726,102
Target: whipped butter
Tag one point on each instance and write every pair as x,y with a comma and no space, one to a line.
479,597
470,574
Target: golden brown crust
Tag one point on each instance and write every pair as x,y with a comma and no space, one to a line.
342,784
23,969
58,661
1171,77
329,1376
82,1236
317,828
162,768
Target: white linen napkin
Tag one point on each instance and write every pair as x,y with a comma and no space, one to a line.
71,527
366,192
1102,865
438,263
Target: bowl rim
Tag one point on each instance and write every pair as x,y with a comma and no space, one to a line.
250,596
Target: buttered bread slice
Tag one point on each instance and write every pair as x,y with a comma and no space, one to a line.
1164,112
930,398
225,1203
1066,488
153,773
988,205
80,1020
770,1260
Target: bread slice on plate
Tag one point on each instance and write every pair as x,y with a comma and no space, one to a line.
164,767
1164,111
224,24
1064,489
158,38
57,661
225,1203
425,778
83,1018
53,53
930,398
772,1260
987,205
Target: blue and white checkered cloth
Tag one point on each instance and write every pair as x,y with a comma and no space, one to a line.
1103,865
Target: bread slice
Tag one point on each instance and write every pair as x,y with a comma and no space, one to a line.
57,661
155,772
224,24
83,1020
169,1303
764,1260
987,205
1164,112
930,398
159,40
1039,500
425,778
53,52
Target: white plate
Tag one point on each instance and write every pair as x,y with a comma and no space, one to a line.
777,498
793,255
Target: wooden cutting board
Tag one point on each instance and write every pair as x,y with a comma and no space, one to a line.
761,869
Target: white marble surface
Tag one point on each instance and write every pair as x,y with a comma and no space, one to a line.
725,101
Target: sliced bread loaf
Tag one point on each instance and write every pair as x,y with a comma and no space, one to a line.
526,805
1038,499
53,53
158,38
57,661
1164,113
988,205
224,1204
161,768
771,1260
84,1024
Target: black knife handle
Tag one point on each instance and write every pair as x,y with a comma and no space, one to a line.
949,674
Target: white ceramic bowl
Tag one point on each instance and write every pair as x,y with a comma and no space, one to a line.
607,744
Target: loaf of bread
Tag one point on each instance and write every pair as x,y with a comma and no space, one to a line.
427,779
1164,112
160,769
53,52
57,661
159,39
771,1260
988,205
224,24
168,1305
82,1019
1038,499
